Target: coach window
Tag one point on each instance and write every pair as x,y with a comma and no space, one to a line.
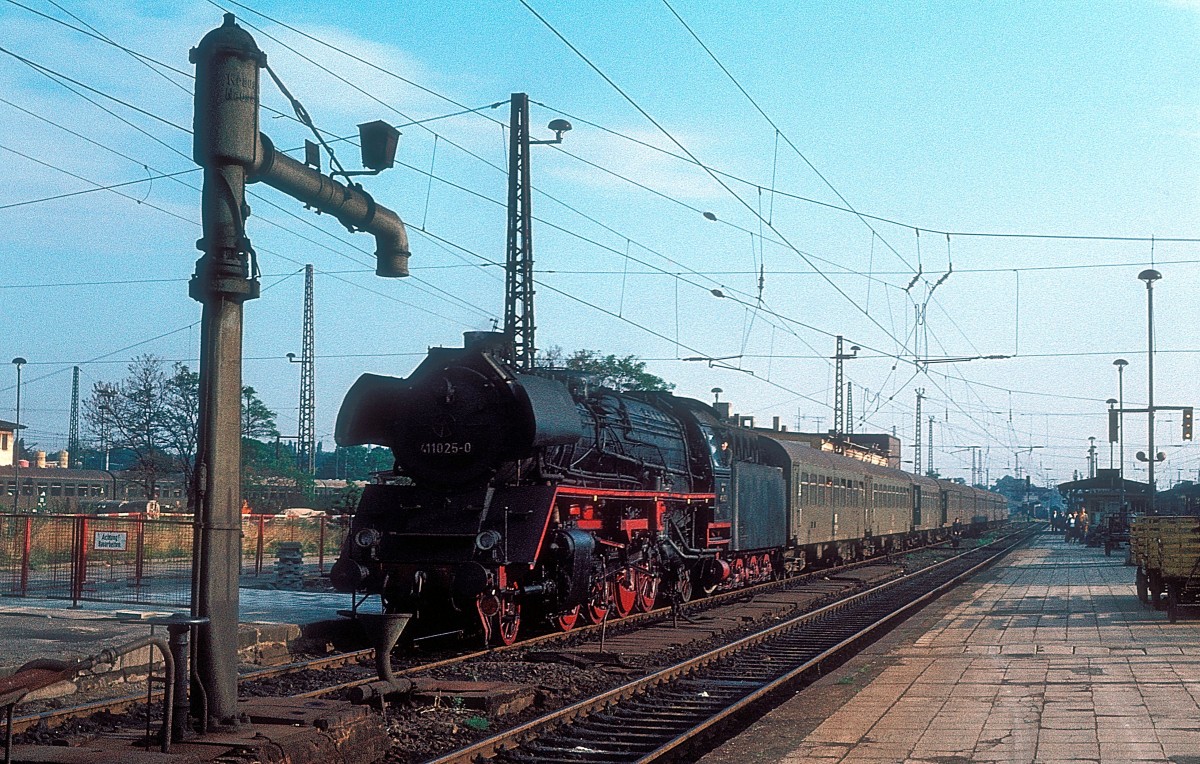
804,489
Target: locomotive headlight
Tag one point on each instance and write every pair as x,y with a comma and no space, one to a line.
487,540
367,537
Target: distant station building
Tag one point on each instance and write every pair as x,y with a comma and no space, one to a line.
879,449
1101,496
1181,499
8,441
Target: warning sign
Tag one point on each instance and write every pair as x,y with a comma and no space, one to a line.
112,541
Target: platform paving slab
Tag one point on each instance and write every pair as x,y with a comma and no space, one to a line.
1046,657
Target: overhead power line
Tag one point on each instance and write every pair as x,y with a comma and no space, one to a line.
629,99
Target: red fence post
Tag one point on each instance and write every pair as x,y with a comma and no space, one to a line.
79,560
140,558
321,548
26,549
258,552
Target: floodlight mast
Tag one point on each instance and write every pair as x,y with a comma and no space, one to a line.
232,151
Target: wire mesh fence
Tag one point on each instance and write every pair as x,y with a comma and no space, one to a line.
139,560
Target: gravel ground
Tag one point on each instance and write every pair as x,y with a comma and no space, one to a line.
419,733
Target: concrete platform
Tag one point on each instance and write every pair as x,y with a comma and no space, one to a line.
1047,657
294,624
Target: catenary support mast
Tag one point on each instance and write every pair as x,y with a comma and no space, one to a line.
307,451
518,272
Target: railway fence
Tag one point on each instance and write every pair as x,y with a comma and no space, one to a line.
136,559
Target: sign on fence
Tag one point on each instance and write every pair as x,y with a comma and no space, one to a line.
112,541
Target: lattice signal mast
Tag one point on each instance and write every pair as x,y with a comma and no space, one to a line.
306,448
73,433
840,386
917,437
518,271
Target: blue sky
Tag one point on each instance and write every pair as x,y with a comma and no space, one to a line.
1030,118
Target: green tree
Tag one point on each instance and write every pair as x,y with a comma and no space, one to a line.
355,462
270,469
132,415
624,373
153,415
258,421
181,393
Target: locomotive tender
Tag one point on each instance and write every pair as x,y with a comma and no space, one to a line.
536,495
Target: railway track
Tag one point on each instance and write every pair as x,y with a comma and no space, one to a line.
662,715
582,634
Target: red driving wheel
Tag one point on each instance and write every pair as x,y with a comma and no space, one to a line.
624,592
509,617
566,621
600,601
646,584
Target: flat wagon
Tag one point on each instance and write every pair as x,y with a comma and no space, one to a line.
1166,550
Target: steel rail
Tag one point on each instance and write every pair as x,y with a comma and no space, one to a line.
626,623
814,663
120,704
508,742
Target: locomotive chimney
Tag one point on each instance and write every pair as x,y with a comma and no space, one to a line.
775,423
722,408
488,342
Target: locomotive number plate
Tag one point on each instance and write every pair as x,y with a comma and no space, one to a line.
446,448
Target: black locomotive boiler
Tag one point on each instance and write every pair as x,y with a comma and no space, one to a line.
537,496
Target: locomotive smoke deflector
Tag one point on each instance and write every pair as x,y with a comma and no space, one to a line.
458,415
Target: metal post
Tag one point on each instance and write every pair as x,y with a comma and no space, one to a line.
306,440
18,362
1111,445
1121,363
258,551
839,400
78,559
518,283
232,151
1150,276
849,409
25,552
917,437
226,145
930,444
321,547
139,560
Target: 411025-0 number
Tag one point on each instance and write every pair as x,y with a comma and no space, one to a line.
446,448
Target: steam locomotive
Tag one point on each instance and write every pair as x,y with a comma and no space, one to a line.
522,496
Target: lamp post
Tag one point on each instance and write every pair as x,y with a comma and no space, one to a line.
1121,363
1111,402
1091,457
1150,276
18,362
